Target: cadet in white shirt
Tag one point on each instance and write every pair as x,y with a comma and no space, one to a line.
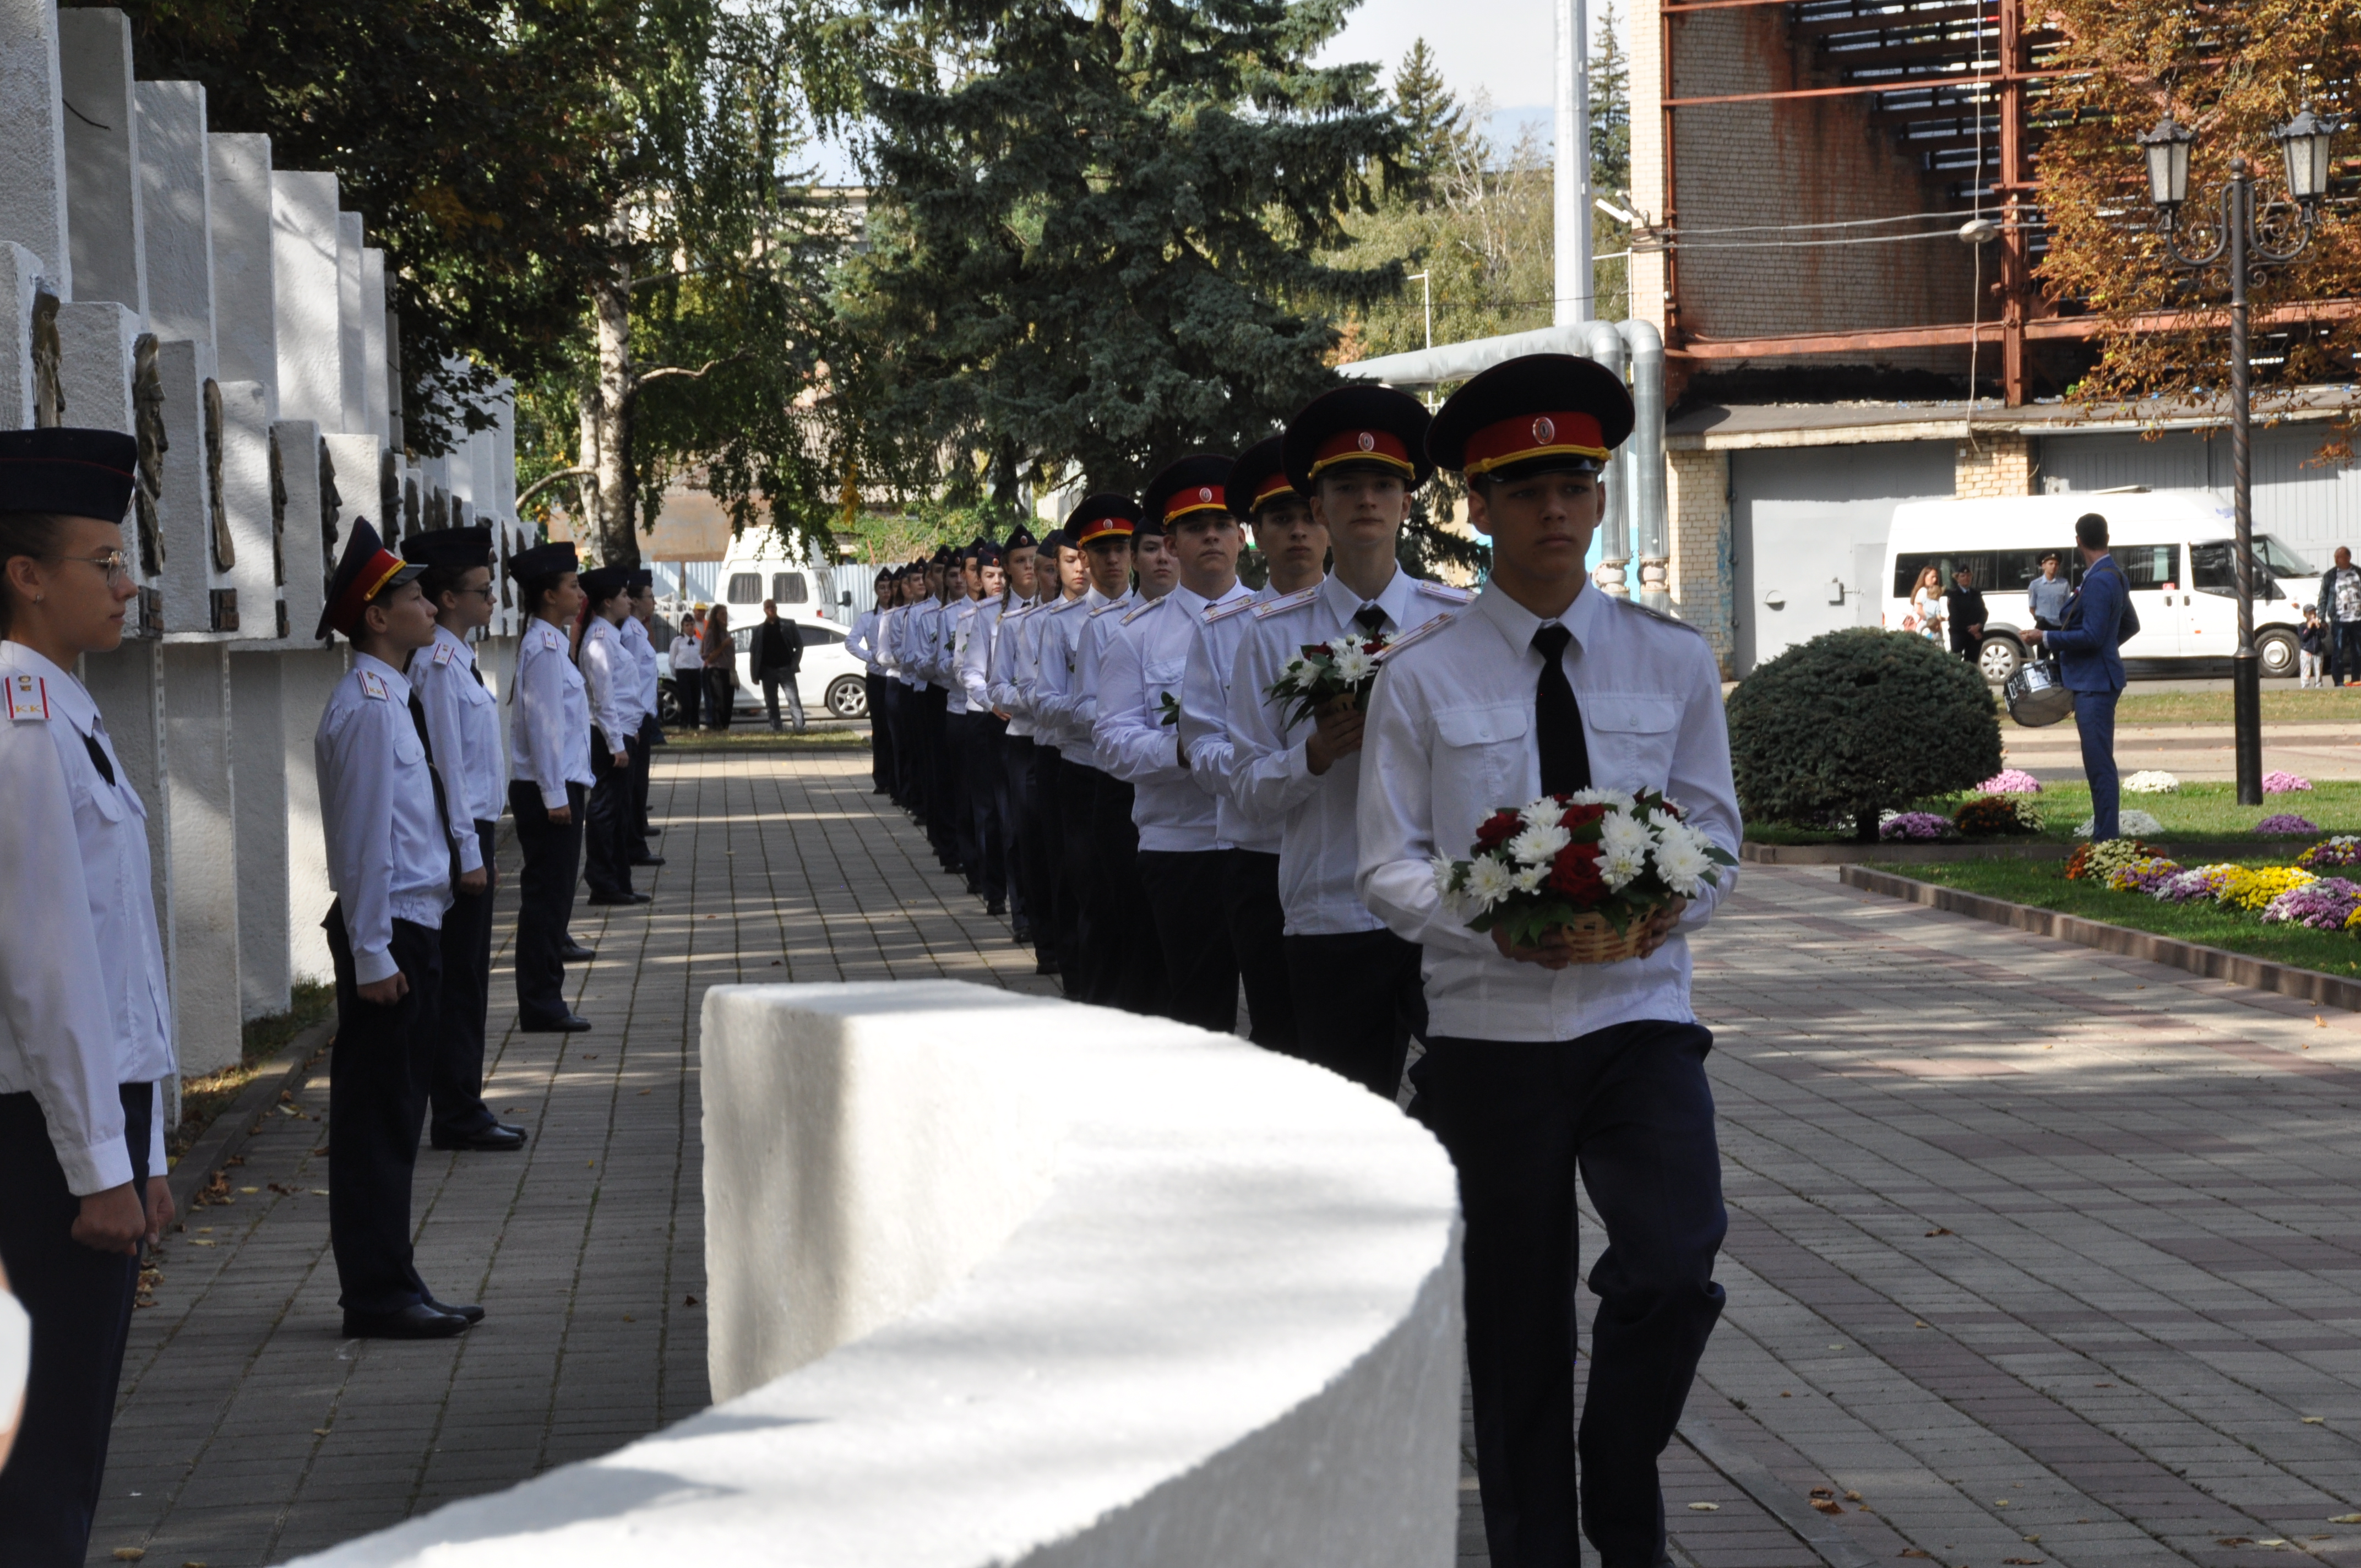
86,1034
391,856
864,644
1062,578
610,686
1295,552
929,643
1100,527
1181,862
1357,452
1012,742
641,613
901,702
549,784
462,724
1539,1072
686,657
986,730
958,726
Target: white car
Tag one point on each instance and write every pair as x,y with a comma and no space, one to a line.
831,680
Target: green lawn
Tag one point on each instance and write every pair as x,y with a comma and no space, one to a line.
2194,811
2287,704
2043,884
759,736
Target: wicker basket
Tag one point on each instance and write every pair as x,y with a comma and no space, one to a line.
1591,941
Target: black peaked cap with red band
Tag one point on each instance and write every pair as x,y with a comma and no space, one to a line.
1537,415
1358,424
368,569
1259,477
1193,487
73,473
1103,516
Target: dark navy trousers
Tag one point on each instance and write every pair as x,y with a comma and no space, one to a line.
610,832
552,859
1628,1111
2094,721
455,1086
80,1301
377,1077
1251,901
1358,999
1186,896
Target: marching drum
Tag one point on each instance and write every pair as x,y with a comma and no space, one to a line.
2036,694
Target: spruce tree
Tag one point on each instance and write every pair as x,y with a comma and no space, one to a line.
1097,242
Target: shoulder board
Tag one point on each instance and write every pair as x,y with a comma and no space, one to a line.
1443,591
1637,608
1415,634
1295,600
1138,610
442,654
29,698
1214,613
1111,604
373,686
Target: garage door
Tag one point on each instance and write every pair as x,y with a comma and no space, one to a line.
2312,507
1807,524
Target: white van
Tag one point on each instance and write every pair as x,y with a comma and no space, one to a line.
759,567
2176,549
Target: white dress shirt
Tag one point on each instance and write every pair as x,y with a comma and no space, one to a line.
1272,776
978,632
388,852
909,644
1025,669
1057,670
959,630
610,682
863,643
1144,660
1205,724
933,644
1451,738
464,723
1001,670
83,1007
688,652
643,649
549,733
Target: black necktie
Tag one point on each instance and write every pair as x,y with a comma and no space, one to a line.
442,805
1557,717
1371,618
98,758
477,671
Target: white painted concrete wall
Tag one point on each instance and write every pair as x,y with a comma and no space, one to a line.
1011,1281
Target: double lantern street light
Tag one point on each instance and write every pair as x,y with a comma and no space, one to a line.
2252,241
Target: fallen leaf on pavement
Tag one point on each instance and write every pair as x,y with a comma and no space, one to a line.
129,1554
1941,1231
1705,1507
1828,1504
2345,1518
2315,1420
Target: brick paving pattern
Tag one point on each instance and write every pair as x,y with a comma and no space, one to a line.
2133,1332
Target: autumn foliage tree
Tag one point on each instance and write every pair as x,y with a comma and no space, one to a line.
2230,70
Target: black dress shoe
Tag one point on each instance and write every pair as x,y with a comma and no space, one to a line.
576,953
512,1127
647,860
618,900
571,1024
489,1140
995,906
417,1321
466,1310
1046,966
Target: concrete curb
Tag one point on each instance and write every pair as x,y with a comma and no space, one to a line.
231,1129
2213,963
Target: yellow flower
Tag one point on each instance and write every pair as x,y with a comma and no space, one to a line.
2253,887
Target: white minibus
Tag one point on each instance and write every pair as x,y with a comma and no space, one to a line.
2175,548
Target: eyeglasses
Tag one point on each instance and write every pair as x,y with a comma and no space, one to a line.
113,562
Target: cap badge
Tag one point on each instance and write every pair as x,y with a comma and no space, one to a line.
1368,442
1545,430
1205,492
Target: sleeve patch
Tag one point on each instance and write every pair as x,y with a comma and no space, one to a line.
373,686
1301,596
29,698
442,654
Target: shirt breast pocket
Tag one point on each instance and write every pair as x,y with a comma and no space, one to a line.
1482,754
1631,737
1165,675
407,747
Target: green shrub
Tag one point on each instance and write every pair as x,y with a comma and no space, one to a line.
1860,721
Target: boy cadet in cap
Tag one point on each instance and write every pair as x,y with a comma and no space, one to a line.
987,730
1101,530
932,639
909,742
549,783
392,853
958,726
463,726
1012,781
1139,984
1295,549
1060,577
1537,1070
643,648
1182,864
86,1033
867,644
1356,453
610,686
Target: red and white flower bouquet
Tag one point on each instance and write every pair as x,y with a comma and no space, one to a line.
1596,864
1325,672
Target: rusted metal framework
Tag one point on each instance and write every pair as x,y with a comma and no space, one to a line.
1956,84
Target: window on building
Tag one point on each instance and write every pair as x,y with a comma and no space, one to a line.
745,587
790,587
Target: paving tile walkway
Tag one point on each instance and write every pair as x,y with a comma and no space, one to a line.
2026,1242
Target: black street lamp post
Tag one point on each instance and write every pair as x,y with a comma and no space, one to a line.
2249,246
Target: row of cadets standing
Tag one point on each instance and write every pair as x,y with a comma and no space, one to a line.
463,728
549,784
611,680
1356,454
393,859
1175,839
1295,547
85,1035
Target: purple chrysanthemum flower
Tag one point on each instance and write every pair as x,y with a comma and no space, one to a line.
2286,822
2010,781
2278,782
1914,824
2324,905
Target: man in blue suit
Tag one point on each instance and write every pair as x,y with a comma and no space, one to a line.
2099,620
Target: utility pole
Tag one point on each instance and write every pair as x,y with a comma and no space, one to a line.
1572,185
